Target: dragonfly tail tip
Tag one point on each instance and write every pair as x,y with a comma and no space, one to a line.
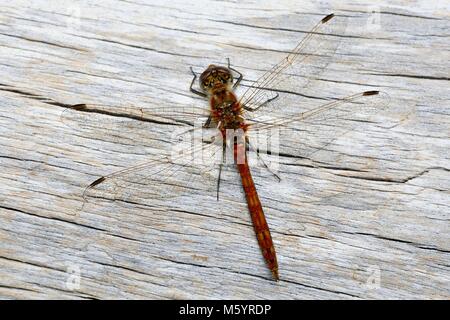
275,274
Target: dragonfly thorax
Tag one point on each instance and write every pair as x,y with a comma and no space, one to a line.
226,110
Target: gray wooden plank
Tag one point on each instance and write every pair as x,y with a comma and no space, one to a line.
367,217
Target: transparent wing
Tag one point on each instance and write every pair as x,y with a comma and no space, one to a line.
321,132
141,126
117,118
179,155
304,63
191,165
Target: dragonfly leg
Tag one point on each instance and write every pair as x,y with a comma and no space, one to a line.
220,169
249,145
262,104
206,125
202,94
207,122
239,79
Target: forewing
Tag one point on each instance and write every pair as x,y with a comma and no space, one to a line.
119,118
295,71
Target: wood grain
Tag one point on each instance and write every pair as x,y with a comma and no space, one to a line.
367,219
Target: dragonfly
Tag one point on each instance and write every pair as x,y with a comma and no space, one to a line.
227,132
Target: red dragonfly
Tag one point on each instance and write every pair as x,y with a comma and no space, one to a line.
232,128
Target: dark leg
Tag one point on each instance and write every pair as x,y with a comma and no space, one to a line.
262,104
248,145
207,123
240,75
220,169
202,94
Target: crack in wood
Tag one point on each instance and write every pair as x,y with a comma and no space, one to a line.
417,245
44,42
413,76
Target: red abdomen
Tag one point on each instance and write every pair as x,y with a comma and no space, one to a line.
256,212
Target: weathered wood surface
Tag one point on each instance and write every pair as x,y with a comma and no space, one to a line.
372,222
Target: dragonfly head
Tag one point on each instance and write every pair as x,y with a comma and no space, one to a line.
215,78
